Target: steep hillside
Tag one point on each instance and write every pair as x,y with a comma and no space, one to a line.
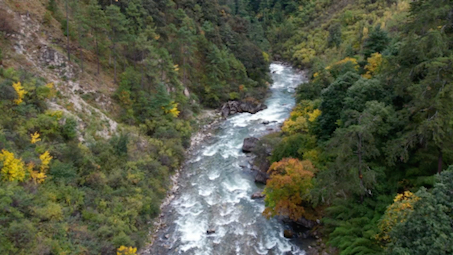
375,121
98,101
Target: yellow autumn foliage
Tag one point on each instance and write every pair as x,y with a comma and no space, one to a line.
13,168
396,213
38,177
35,138
344,61
266,57
301,117
312,116
123,250
56,114
365,32
52,91
374,63
172,109
45,161
20,92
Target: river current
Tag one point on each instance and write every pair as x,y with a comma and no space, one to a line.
215,187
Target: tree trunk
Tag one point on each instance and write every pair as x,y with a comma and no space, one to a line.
80,45
81,57
97,53
67,31
114,63
359,152
439,162
141,69
184,71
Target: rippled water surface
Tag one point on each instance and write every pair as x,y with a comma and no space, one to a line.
215,189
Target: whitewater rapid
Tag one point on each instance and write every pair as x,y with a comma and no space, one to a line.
215,187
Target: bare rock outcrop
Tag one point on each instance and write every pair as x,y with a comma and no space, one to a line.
233,107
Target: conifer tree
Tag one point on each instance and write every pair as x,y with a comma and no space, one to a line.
98,24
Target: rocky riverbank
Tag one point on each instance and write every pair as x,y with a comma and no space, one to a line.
206,122
305,232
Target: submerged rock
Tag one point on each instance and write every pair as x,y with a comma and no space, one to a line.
249,144
257,195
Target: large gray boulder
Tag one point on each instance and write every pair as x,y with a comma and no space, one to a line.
233,107
261,177
249,144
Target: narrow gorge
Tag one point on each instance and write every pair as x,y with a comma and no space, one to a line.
216,185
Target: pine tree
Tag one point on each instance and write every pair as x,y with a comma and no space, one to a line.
98,24
119,34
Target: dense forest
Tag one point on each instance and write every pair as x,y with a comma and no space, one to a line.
70,182
367,148
369,144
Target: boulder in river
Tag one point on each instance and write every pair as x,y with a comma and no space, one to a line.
257,195
288,233
233,107
310,224
261,177
249,144
210,231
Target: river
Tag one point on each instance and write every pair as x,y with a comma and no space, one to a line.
214,188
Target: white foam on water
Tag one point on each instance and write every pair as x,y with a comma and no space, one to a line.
205,191
236,184
285,247
252,233
260,249
223,221
277,68
230,148
213,175
219,234
269,244
238,230
216,193
238,249
226,210
241,120
192,229
211,200
194,160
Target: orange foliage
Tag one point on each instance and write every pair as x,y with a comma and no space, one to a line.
288,187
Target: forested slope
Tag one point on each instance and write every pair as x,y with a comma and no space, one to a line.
371,136
98,101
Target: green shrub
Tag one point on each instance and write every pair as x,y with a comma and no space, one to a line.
47,18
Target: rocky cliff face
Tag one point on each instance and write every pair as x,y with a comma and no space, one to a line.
33,47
